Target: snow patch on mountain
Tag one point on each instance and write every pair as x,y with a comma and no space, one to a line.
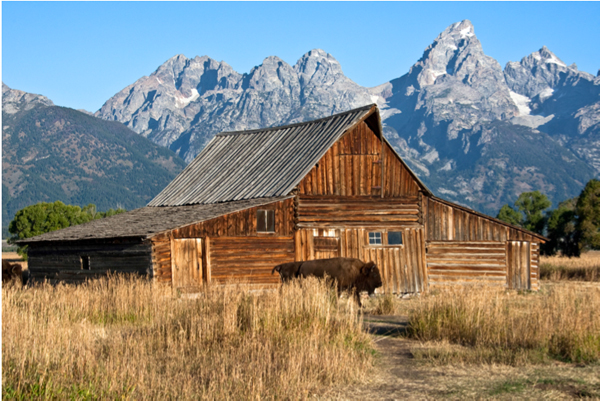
522,103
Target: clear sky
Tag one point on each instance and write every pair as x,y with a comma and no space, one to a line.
79,54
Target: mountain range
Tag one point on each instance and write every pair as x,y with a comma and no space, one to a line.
475,133
54,153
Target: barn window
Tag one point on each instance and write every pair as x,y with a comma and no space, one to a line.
85,262
394,237
265,221
375,238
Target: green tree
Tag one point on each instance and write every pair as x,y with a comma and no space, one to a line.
510,215
45,217
532,205
588,216
562,230
528,211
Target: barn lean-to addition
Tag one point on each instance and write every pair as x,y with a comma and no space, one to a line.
324,188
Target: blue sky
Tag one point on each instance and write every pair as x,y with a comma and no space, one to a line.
79,54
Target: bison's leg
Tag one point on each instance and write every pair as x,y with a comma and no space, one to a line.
357,296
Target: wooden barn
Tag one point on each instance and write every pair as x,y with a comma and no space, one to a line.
320,189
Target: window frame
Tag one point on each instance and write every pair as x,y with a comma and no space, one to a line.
86,263
266,212
384,238
375,238
387,238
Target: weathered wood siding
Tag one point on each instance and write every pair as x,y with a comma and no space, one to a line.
353,166
518,258
535,266
447,223
459,262
453,226
330,211
63,261
186,263
398,181
227,248
402,267
242,223
161,259
249,259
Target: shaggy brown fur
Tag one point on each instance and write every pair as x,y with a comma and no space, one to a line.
349,273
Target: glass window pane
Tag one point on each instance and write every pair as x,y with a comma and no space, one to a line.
271,221
261,221
375,238
395,238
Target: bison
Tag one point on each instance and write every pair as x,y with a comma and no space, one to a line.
287,271
14,270
349,273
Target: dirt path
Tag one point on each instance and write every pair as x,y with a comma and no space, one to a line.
398,376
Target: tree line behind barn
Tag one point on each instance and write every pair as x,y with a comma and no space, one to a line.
327,188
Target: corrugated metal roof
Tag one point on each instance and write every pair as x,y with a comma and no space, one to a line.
258,163
148,221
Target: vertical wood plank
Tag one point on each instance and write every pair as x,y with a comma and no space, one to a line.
206,264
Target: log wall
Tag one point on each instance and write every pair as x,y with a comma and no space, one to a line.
63,261
161,260
458,262
328,211
249,260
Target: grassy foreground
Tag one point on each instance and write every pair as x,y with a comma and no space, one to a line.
477,325
125,338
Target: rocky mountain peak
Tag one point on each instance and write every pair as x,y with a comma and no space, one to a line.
271,74
537,74
455,52
318,67
14,100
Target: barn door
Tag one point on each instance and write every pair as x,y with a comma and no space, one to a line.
518,263
186,263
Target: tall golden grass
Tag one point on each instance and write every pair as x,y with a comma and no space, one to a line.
584,268
127,338
560,322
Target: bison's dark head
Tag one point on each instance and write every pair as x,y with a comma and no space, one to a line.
371,278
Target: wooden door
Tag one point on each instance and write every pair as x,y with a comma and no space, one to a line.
186,263
518,263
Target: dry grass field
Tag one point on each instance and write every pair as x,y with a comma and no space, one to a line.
478,343
127,339
584,268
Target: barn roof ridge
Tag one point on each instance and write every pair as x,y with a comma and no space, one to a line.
294,125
